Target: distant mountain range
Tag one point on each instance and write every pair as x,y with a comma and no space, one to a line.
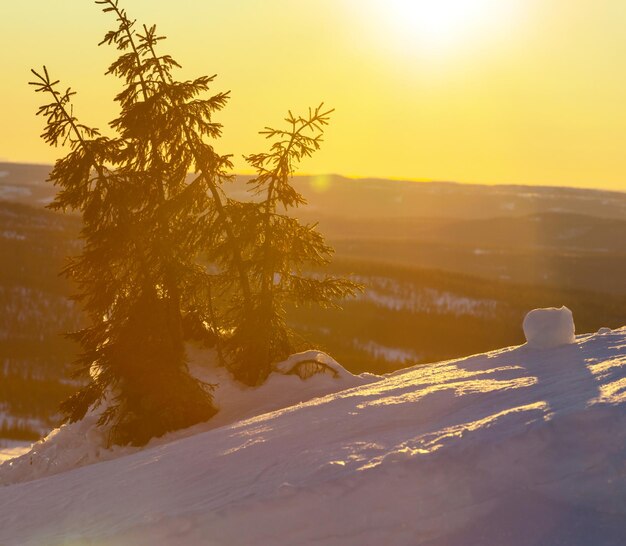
334,195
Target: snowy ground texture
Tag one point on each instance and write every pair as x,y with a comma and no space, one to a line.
9,449
522,446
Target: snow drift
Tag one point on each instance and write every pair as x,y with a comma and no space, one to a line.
83,443
515,447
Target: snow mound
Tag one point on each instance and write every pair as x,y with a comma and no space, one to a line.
550,327
310,363
69,446
84,443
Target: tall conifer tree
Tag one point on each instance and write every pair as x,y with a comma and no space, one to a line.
143,224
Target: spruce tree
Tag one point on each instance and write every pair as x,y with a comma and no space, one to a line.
281,251
143,225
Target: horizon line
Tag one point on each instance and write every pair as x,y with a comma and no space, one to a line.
416,180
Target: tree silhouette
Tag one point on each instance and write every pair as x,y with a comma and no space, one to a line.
140,232
146,225
279,248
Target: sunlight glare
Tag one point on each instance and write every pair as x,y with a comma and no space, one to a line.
442,25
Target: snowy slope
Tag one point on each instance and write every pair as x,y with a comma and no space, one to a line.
84,443
521,446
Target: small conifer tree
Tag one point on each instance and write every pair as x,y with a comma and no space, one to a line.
280,250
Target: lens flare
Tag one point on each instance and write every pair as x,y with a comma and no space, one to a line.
320,183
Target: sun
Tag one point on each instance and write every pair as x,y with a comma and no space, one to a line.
443,25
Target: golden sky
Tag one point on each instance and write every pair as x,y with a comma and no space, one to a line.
485,91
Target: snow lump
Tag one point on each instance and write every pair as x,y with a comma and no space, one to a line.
551,327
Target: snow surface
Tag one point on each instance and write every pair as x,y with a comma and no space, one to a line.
550,327
12,235
9,449
8,192
400,296
514,447
390,354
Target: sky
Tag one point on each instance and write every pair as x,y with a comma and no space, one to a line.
480,91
